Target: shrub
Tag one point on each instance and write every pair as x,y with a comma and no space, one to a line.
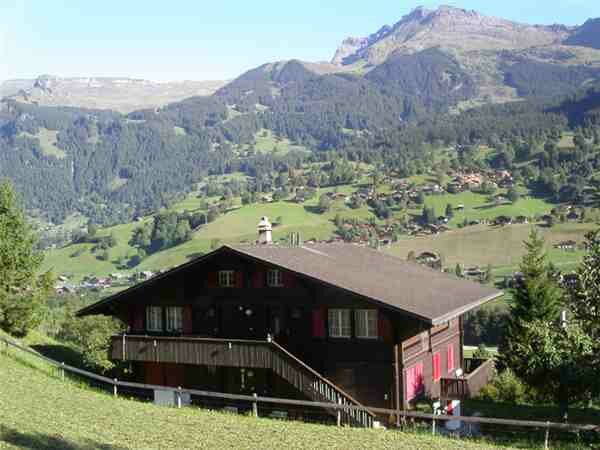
505,387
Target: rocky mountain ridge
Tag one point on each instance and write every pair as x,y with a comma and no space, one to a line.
119,94
449,28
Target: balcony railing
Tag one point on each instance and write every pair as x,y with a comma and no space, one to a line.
256,354
479,373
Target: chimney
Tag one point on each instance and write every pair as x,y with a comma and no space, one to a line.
264,231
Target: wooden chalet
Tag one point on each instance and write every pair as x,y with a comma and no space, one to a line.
323,322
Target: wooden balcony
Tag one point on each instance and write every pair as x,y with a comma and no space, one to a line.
255,354
479,372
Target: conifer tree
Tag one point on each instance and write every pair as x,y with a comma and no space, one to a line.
536,298
22,288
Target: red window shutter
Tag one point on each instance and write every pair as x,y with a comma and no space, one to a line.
211,280
414,381
239,279
288,279
450,363
384,326
258,278
437,370
187,320
318,323
137,318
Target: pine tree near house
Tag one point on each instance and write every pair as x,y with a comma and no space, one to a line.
563,357
584,304
22,288
536,298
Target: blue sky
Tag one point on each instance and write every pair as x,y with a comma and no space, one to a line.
217,39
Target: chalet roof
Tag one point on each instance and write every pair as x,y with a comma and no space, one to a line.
418,291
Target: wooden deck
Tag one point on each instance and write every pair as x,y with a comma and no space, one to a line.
255,354
479,373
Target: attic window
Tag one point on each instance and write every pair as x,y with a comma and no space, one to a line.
227,278
154,319
274,278
366,323
340,325
174,318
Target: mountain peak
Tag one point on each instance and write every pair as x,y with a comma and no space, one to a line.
445,27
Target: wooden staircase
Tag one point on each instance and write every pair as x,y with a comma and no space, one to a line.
264,354
318,388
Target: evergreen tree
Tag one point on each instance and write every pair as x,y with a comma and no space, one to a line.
458,270
22,288
513,195
428,215
449,211
536,297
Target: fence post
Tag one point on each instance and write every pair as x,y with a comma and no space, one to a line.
179,396
339,414
255,405
547,437
115,382
62,370
433,426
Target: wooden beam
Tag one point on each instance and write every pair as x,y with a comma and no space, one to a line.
397,369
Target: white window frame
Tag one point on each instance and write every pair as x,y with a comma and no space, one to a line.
174,319
337,327
274,278
226,278
154,319
368,318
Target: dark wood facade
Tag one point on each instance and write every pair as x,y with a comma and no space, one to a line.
277,338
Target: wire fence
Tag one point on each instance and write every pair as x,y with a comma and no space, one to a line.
313,411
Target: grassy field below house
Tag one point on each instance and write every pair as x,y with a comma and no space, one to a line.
41,411
502,247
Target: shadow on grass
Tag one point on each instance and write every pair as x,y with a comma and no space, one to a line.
61,353
41,441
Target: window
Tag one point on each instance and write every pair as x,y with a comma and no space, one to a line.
414,381
227,278
174,319
450,357
339,323
437,366
366,323
154,319
274,278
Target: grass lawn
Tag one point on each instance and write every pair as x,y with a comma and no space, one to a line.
267,142
502,247
238,225
477,207
41,411
47,139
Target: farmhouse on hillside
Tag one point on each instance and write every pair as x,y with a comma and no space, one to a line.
323,322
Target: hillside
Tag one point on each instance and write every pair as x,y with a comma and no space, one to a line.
386,111
41,411
119,94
